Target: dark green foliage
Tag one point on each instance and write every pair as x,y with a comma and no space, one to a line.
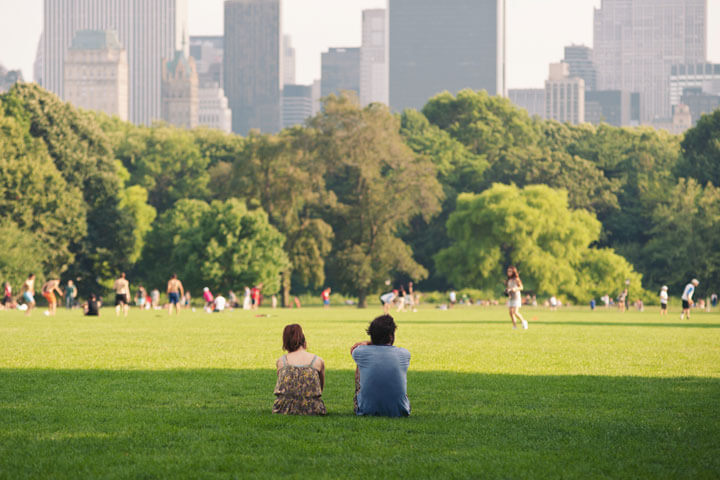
684,238
701,151
83,156
380,185
22,254
222,245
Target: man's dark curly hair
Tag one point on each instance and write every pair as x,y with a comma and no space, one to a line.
382,330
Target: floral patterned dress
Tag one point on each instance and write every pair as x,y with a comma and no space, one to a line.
298,390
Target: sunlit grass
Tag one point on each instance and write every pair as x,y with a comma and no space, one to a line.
579,394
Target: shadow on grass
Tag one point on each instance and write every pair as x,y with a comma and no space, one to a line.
541,322
217,423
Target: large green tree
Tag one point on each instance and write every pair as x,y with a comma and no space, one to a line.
380,185
534,229
36,198
220,245
83,155
284,175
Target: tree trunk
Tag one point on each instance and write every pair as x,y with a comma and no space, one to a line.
286,300
362,300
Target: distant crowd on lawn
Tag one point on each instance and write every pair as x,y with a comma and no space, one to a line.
402,297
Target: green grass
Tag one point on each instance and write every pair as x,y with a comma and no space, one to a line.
580,394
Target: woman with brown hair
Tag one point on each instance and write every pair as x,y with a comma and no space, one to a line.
301,377
513,287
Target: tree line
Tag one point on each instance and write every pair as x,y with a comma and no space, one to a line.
446,197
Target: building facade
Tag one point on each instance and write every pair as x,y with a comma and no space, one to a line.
297,104
180,102
580,61
564,95
531,99
445,46
95,75
150,31
213,109
374,66
252,64
612,107
699,102
636,42
705,76
340,71
208,54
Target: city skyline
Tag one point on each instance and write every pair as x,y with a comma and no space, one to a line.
536,34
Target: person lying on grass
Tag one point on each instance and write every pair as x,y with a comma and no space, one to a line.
300,377
381,374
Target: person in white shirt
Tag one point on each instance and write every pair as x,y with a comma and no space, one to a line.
687,300
219,304
663,300
513,289
387,299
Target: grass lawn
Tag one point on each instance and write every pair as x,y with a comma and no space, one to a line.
580,394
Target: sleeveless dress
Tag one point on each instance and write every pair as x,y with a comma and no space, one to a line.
298,390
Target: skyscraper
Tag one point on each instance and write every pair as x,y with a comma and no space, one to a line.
148,30
580,60
374,66
208,54
636,42
564,95
252,64
96,73
445,45
288,61
340,71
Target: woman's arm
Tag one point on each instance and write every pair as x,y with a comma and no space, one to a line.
352,349
322,374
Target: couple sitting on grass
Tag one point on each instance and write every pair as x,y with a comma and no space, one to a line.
380,377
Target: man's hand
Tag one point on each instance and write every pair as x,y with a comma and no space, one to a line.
352,349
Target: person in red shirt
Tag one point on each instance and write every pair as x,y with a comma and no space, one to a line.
325,295
255,294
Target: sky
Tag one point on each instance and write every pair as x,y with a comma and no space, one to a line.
537,32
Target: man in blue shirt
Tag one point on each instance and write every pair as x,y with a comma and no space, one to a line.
381,374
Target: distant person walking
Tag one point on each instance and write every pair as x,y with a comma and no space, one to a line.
122,295
28,293
175,292
48,291
70,294
687,298
663,300
513,288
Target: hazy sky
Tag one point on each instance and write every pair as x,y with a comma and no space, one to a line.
537,31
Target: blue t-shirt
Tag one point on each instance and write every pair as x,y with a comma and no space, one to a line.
383,380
